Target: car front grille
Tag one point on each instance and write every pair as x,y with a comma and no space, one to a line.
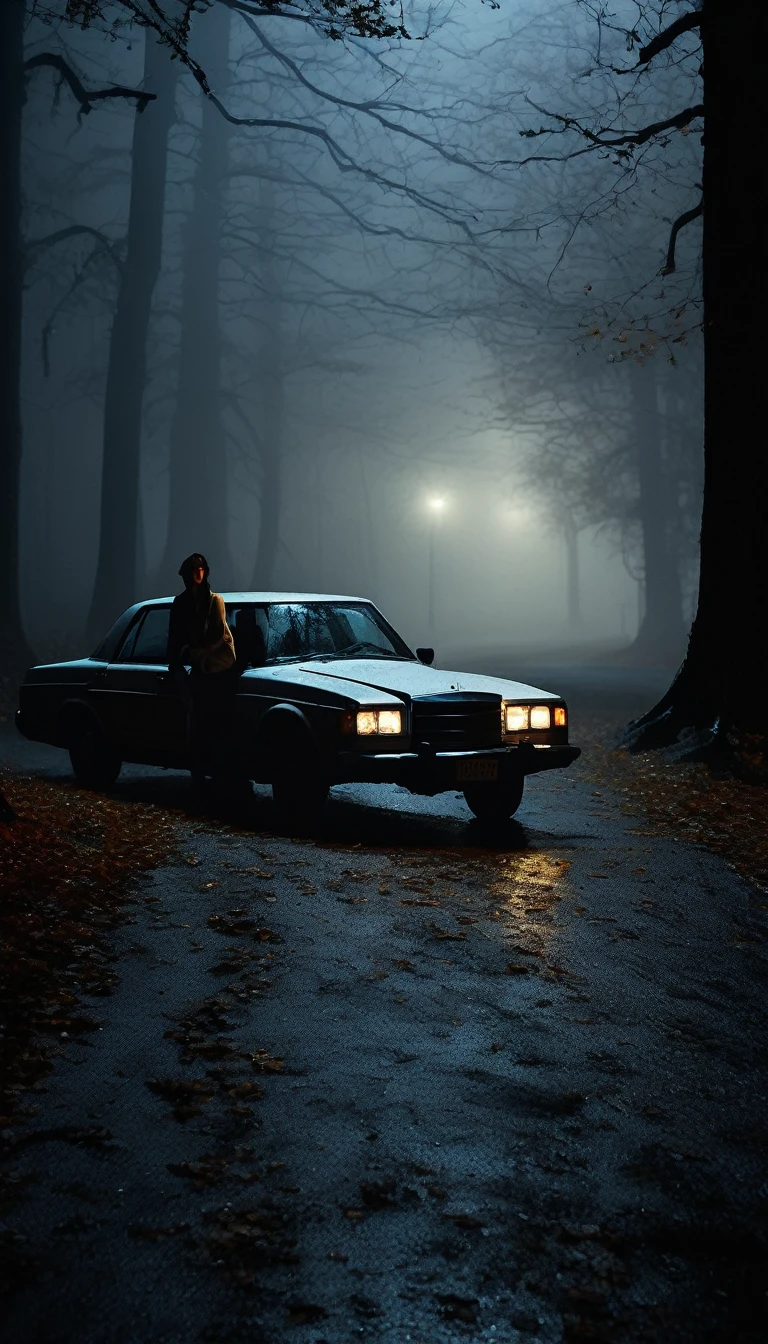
457,721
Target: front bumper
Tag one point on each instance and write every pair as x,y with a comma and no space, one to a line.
430,772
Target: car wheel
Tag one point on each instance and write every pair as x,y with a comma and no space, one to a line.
299,783
94,762
495,803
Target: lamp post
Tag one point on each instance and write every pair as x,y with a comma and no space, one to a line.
436,506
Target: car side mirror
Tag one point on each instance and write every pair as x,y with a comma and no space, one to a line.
426,656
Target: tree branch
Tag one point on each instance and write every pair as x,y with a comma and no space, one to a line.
603,139
83,96
71,231
667,36
49,328
687,217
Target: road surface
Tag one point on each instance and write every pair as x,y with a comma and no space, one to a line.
400,1084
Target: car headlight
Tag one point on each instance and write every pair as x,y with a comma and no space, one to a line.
373,722
517,717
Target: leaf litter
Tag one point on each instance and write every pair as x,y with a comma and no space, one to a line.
65,864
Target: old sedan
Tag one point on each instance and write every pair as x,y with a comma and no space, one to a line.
324,692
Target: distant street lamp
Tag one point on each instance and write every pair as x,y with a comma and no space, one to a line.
435,506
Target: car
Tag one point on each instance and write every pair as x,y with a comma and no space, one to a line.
324,692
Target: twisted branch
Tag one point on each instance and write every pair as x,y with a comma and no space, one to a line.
83,96
687,217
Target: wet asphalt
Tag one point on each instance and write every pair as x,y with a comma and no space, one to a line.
404,1081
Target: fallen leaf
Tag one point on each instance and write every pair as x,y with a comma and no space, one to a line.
443,936
459,1308
304,1313
378,1195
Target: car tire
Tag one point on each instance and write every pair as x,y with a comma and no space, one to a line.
94,762
299,784
495,803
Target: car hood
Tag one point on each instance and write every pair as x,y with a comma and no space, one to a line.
414,679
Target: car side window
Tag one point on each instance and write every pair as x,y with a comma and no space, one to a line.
150,643
123,654
250,630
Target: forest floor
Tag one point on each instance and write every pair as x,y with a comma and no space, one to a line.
396,1082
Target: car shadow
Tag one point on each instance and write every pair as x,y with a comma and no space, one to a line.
345,822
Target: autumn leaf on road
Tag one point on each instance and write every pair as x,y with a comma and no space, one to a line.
378,1195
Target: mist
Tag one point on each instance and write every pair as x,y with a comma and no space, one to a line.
384,354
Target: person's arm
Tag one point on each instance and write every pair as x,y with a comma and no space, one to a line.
218,635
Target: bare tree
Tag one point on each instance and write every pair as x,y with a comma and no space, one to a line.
13,74
115,586
197,505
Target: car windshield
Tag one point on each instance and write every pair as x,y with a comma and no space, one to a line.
295,631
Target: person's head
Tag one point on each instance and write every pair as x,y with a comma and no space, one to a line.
194,571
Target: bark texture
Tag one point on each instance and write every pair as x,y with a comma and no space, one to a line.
271,374
269,500
197,503
12,638
116,573
716,700
661,636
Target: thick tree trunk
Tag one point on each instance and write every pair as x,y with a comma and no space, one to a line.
661,636
13,644
716,701
272,414
197,505
116,574
272,400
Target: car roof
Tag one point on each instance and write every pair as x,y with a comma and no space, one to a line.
234,598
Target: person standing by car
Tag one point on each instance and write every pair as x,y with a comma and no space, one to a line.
198,635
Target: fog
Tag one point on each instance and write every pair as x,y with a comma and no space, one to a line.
383,356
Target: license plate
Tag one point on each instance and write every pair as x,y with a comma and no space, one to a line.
476,771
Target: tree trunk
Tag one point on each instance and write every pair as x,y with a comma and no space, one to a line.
12,641
271,375
116,572
715,705
197,504
661,636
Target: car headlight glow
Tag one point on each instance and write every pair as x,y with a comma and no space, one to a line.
516,718
374,722
390,721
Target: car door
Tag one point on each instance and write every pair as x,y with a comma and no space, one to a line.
141,709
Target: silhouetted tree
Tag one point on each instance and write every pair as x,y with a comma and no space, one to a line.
115,586
710,707
197,499
13,73
714,703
